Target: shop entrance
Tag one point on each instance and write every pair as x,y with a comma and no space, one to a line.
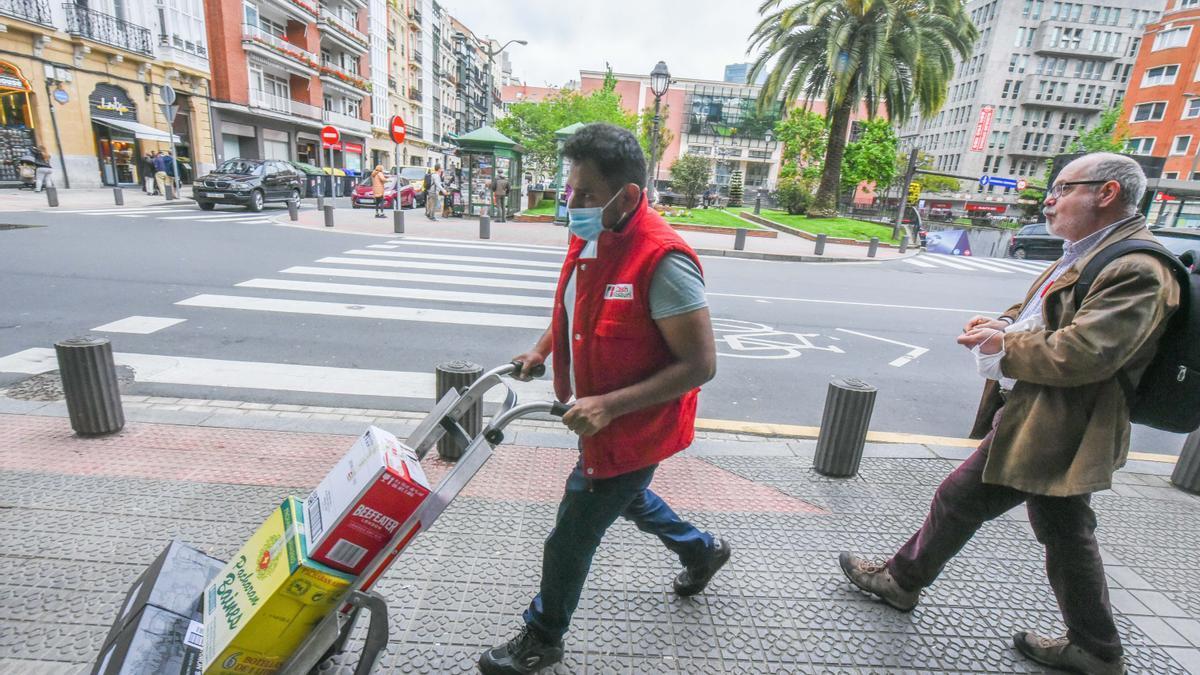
17,137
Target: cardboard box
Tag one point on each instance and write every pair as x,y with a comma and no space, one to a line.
355,511
268,598
175,581
154,642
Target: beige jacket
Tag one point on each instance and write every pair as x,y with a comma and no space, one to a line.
1065,427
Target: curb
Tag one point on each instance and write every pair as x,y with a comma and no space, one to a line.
783,257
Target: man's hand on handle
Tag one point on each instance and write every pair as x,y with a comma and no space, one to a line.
588,415
529,360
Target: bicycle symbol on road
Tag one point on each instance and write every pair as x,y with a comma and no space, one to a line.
750,340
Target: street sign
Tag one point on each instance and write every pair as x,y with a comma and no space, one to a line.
169,112
398,129
61,96
1022,184
166,94
330,135
998,181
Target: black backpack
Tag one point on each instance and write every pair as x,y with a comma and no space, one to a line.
1168,395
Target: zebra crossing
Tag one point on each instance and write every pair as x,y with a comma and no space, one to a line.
183,212
974,265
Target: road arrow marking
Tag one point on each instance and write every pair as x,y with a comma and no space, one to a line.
912,354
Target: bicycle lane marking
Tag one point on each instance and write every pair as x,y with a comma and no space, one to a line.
913,353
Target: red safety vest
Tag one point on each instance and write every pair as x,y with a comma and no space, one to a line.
617,344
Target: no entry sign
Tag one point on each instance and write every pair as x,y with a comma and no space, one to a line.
398,129
330,135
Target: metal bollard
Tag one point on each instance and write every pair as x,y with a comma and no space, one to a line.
848,407
1186,475
170,192
293,211
89,380
458,375
485,227
873,247
320,203
328,215
118,196
398,222
739,239
904,243
819,249
52,197
757,205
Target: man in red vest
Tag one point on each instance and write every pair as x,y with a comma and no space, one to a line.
632,342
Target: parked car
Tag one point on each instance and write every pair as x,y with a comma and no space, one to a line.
250,183
364,197
1178,240
1035,243
415,175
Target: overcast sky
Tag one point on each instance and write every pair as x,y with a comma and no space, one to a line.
695,37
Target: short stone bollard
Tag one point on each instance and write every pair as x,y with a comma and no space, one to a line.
398,221
320,203
293,211
170,192
118,196
89,380
758,205
458,375
52,197
848,407
485,227
739,239
904,243
329,215
819,249
1186,475
873,247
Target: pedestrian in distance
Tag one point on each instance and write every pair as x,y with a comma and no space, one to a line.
162,172
149,171
500,188
43,174
632,341
434,189
1054,418
379,189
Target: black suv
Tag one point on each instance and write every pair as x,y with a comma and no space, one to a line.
1036,243
250,183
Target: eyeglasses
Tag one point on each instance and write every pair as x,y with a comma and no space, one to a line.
1057,190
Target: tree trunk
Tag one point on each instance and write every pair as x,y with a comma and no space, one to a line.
825,203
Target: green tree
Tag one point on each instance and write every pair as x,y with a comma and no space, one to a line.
735,188
898,55
871,158
805,137
1109,134
646,128
930,183
689,175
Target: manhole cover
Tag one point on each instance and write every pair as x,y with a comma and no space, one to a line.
48,386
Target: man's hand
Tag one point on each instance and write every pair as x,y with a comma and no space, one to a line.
588,415
529,360
984,322
990,340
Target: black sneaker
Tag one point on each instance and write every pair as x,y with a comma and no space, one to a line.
693,579
524,654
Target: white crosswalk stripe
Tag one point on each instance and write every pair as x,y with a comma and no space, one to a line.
395,292
969,264
488,282
442,267
463,258
389,312
560,251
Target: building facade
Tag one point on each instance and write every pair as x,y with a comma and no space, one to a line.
1041,72
83,80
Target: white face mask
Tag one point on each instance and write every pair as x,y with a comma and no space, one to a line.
988,365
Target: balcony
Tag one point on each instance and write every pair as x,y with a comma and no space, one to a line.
29,11
415,94
289,56
1062,100
414,132
107,29
341,32
1066,47
304,11
346,122
280,104
416,56
343,79
415,16
1032,151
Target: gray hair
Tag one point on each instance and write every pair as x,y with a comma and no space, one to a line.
1126,172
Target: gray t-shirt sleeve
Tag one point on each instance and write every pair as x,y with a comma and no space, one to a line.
677,287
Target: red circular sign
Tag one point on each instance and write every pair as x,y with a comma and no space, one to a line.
330,135
1021,184
398,128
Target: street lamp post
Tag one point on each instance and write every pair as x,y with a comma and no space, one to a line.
660,79
490,54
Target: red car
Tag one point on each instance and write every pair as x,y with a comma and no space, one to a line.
363,198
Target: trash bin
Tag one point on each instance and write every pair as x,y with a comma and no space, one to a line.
458,375
1186,475
848,407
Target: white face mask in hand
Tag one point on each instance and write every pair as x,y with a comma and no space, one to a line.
988,365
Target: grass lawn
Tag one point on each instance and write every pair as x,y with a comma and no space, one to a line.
712,217
544,208
834,227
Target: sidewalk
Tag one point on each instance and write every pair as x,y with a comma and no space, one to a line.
87,198
80,518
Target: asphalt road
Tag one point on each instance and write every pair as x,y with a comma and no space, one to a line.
785,330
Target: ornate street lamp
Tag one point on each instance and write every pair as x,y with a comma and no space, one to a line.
660,80
491,53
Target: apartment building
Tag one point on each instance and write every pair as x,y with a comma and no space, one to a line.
82,80
1041,72
472,71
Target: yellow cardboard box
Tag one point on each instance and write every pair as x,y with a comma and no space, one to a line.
267,598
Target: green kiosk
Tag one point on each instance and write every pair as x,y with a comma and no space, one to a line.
560,173
485,153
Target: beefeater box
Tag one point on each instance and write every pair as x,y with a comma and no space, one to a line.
355,511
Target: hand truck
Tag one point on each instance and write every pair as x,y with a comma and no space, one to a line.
328,639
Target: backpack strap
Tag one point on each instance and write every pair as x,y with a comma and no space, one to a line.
1109,253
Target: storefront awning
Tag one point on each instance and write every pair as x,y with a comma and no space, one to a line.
140,131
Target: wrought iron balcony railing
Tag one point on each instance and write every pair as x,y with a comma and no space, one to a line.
33,11
108,29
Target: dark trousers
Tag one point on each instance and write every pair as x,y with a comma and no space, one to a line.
587,509
1066,526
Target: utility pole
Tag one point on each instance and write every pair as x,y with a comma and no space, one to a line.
909,174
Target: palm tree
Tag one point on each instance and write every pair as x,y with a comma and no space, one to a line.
850,52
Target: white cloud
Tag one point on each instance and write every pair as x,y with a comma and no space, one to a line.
696,38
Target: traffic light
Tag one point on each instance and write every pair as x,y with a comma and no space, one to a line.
914,192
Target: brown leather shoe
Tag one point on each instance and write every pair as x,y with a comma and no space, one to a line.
874,578
1059,653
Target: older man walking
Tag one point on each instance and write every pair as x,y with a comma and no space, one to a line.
1054,414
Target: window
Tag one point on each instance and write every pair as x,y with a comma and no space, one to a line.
1139,146
1188,3
1191,109
1160,76
1180,145
1149,112
1171,175
1175,37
